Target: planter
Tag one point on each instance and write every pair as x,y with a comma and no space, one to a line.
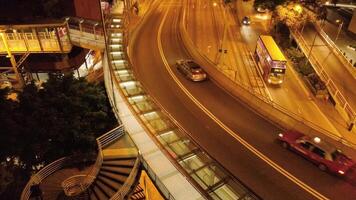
318,93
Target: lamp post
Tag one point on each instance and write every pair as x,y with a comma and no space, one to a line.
221,46
11,57
310,51
340,22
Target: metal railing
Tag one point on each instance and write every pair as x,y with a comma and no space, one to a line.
77,184
126,187
111,87
333,90
52,38
42,174
36,38
120,81
331,44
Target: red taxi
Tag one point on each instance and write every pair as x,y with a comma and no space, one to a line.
324,155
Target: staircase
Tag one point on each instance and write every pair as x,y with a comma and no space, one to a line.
111,177
51,186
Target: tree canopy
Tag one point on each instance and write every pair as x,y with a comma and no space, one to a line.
63,117
268,4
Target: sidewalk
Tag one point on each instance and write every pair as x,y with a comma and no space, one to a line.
344,39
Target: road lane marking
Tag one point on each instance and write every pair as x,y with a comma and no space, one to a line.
278,168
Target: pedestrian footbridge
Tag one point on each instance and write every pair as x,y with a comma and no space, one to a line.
56,37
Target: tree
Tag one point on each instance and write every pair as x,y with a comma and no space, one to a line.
282,34
291,14
61,118
268,4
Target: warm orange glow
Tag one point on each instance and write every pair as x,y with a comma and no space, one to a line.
298,8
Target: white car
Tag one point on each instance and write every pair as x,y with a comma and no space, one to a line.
191,70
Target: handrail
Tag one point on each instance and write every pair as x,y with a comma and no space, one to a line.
326,78
101,141
42,174
72,183
331,44
115,83
125,188
164,191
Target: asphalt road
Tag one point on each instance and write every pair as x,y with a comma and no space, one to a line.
292,94
258,132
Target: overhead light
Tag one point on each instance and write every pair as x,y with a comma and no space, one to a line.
317,140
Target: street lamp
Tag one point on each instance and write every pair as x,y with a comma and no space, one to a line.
222,44
340,22
298,8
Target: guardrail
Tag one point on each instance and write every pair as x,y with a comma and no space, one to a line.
155,120
111,87
333,90
271,111
332,46
120,195
42,174
77,184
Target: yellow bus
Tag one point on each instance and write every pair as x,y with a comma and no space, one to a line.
271,59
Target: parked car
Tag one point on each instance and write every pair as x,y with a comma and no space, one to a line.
326,156
191,70
261,10
351,46
246,21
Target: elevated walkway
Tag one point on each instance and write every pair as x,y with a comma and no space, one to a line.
57,37
52,37
174,162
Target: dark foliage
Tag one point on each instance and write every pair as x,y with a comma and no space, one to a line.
32,10
268,4
62,118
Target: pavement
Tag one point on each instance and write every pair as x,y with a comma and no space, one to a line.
345,37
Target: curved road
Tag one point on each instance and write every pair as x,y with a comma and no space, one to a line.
217,141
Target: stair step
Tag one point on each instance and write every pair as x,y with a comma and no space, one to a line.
114,184
93,194
115,171
106,188
119,158
120,162
117,168
100,192
121,165
114,177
